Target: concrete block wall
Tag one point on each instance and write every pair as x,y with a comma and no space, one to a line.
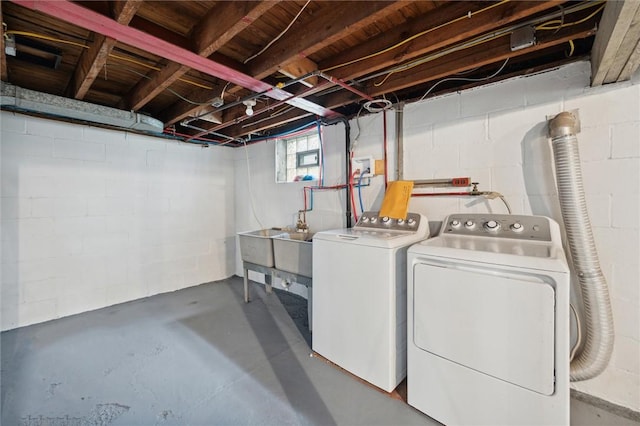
93,217
497,136
277,204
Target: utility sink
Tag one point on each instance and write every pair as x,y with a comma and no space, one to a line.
257,246
293,252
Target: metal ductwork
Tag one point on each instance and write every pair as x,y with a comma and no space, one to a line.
14,98
597,348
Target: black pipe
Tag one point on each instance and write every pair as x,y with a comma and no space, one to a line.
347,131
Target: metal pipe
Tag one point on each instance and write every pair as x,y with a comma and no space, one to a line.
342,83
400,140
597,349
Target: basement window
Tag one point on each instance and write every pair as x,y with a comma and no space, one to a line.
298,158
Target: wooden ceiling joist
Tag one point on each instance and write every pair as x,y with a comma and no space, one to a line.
616,44
455,26
492,52
94,59
219,26
321,31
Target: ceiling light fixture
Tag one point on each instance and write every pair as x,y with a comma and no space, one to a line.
249,104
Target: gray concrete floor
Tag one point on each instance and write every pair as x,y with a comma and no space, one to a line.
198,356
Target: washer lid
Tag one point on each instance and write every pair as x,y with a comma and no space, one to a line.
495,322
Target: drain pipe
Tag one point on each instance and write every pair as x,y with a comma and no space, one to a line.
597,349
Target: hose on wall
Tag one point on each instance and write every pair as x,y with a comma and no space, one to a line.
596,352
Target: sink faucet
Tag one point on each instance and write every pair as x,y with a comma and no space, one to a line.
301,225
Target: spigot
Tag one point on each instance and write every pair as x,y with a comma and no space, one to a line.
301,225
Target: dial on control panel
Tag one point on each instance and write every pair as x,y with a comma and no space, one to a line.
492,225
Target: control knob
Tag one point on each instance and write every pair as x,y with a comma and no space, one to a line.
517,227
455,223
492,225
411,222
374,219
469,224
385,220
400,221
365,219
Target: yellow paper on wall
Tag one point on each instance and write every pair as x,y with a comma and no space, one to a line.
396,200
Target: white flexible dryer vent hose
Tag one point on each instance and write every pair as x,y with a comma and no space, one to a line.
597,349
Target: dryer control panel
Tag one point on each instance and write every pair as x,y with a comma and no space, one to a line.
374,220
536,228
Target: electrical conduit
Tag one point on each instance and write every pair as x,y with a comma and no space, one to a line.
597,349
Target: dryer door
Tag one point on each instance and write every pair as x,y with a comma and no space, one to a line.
494,321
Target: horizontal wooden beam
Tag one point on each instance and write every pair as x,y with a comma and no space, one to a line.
84,18
491,52
322,29
220,25
616,22
455,27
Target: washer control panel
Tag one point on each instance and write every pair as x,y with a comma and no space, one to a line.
535,228
374,220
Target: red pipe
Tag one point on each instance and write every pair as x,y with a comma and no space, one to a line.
72,13
437,194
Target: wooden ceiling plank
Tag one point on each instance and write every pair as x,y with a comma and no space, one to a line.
149,88
453,33
219,26
225,22
93,60
614,24
344,18
490,53
632,64
626,49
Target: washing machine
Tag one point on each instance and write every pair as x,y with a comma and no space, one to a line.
360,296
488,322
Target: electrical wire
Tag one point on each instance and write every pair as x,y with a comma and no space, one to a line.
166,88
413,37
572,48
354,143
295,18
504,64
111,55
562,24
360,192
46,37
475,42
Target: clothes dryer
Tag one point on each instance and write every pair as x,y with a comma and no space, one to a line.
488,322
360,294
